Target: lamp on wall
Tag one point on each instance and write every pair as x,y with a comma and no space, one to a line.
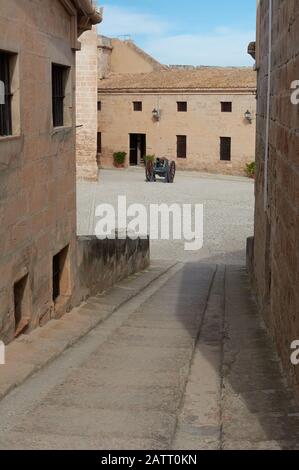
248,116
156,114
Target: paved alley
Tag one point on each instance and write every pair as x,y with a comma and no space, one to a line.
183,363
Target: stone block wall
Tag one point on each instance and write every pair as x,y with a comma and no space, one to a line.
203,124
37,164
102,263
275,255
86,102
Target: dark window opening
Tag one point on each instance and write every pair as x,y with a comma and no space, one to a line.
99,143
137,105
225,148
226,106
99,106
181,146
60,279
58,94
182,106
21,305
5,109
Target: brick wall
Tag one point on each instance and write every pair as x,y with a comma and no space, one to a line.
86,98
276,243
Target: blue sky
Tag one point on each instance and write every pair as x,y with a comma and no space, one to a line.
195,32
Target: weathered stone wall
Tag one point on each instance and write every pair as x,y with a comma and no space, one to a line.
104,56
102,263
275,253
86,97
37,164
203,124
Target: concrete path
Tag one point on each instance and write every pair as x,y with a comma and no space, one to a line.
185,363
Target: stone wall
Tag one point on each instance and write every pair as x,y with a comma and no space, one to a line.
37,164
102,263
275,255
203,124
86,97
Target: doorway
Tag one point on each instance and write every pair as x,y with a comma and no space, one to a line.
137,149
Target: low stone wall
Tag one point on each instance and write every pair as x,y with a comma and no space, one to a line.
102,263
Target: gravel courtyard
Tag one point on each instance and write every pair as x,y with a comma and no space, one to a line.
228,209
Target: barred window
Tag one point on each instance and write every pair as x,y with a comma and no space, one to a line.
226,106
137,105
225,148
5,109
181,146
182,106
58,93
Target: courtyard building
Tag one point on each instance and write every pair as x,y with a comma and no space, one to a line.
273,254
201,117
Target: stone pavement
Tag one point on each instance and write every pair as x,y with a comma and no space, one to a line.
228,210
183,363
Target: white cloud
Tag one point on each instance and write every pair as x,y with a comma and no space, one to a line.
121,21
221,47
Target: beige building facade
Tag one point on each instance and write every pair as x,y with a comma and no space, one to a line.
38,42
203,118
273,253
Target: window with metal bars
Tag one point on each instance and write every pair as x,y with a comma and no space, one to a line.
58,93
225,148
226,106
181,146
182,106
99,143
5,109
137,105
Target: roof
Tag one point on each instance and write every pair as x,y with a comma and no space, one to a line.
200,78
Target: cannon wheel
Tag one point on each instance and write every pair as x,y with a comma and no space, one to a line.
171,172
149,171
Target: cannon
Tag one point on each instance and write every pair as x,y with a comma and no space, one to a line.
161,167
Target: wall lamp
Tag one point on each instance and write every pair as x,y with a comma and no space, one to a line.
248,116
156,114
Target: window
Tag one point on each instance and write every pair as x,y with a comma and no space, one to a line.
60,274
225,148
99,143
181,146
21,305
182,106
226,106
5,109
59,79
99,106
137,105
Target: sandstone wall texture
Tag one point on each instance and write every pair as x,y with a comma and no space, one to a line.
274,254
86,97
37,165
44,269
102,263
203,124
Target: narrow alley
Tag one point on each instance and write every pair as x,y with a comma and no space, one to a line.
180,360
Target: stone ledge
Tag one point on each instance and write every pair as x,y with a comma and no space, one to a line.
30,353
